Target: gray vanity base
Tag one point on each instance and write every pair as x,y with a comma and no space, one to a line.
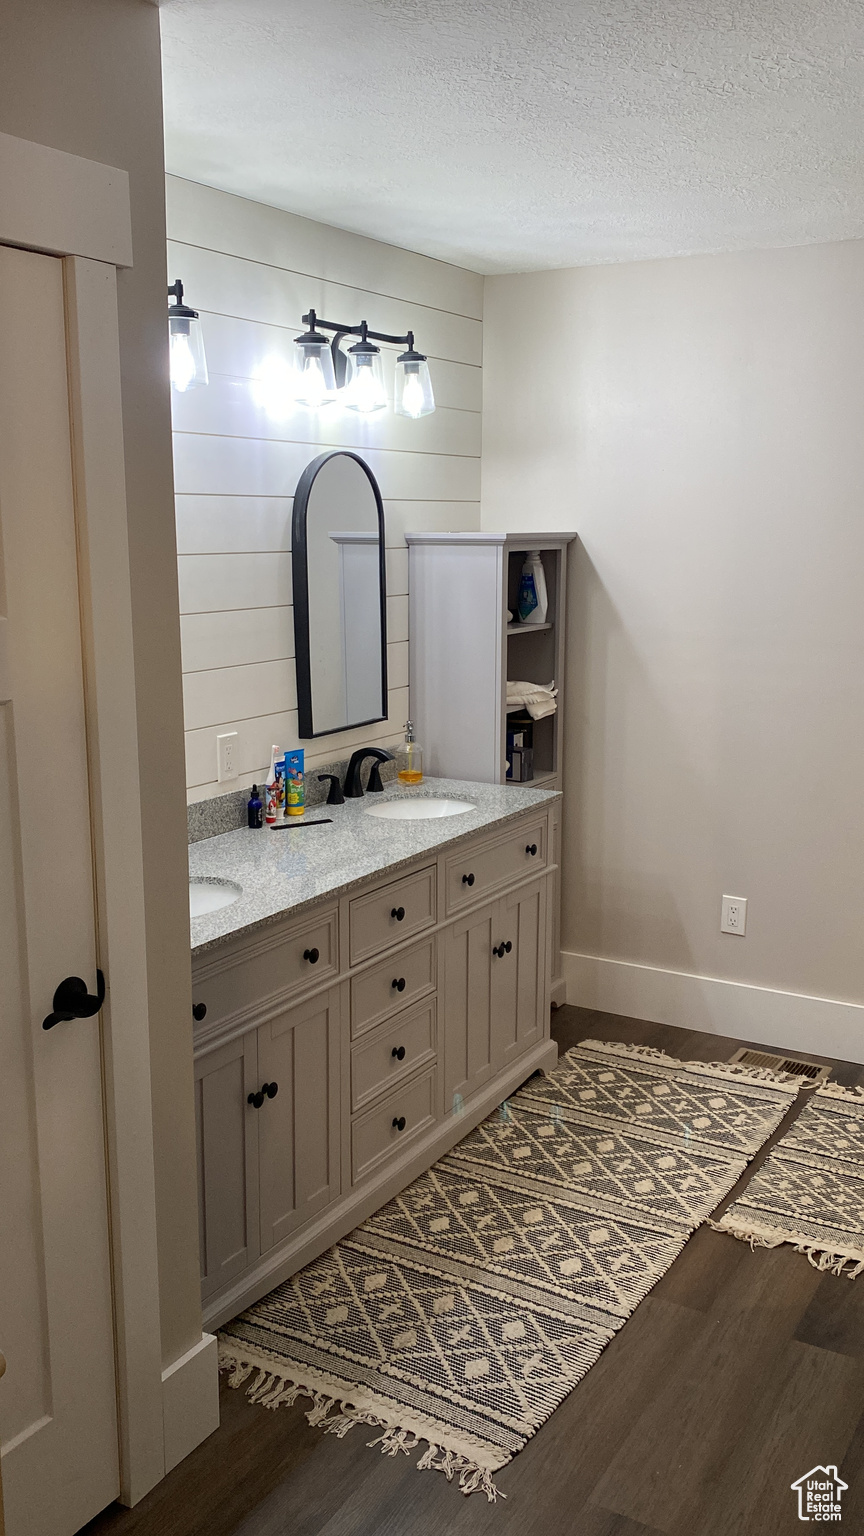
390,1045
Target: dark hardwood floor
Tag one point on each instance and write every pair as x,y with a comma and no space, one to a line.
738,1373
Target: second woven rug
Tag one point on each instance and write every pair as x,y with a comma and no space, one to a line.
810,1189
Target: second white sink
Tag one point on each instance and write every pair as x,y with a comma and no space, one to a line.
209,894
424,808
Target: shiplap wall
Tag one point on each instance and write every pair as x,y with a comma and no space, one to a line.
252,271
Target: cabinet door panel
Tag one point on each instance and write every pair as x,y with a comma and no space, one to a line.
467,1017
519,975
298,1129
227,1162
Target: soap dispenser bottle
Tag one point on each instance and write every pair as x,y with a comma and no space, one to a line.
409,758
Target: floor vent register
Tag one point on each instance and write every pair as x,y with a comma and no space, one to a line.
814,1071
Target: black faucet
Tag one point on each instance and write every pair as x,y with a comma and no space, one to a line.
353,787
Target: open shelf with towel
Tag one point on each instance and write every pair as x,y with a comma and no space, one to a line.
464,651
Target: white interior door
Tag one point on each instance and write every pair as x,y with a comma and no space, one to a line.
57,1400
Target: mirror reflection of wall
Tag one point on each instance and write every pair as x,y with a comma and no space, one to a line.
339,596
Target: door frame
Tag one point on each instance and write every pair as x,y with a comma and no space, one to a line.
78,210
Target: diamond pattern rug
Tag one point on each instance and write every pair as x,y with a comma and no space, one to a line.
810,1189
467,1308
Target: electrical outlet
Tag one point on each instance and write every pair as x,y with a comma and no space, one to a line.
733,915
226,756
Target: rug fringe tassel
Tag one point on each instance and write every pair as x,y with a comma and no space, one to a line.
833,1263
270,1389
823,1259
730,1069
745,1235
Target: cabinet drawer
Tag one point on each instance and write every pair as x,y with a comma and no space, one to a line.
391,1052
391,985
287,962
478,871
392,913
375,1136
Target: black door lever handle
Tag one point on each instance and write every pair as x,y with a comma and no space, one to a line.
73,1001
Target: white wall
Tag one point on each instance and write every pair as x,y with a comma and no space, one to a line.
252,271
700,422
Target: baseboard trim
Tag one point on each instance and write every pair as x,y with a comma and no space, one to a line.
190,1400
819,1025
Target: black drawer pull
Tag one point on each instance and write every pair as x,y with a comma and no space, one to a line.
199,1011
399,1123
497,951
399,983
531,848
255,1099
467,879
271,1089
508,946
398,913
312,956
399,1052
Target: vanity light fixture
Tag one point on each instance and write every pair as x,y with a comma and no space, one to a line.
414,395
188,362
364,387
316,385
326,373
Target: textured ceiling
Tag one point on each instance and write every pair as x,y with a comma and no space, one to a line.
509,135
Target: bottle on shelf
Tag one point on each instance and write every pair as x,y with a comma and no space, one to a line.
533,602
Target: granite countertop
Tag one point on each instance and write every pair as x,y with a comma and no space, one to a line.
284,872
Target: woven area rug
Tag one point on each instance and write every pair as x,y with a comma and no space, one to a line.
465,1310
810,1189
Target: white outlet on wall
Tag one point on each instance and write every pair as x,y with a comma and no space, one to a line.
226,756
733,915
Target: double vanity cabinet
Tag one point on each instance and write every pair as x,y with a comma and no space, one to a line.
342,1047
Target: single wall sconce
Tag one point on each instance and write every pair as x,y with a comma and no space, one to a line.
326,373
188,362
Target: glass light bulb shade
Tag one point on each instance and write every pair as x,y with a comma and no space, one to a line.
187,359
364,388
274,387
316,378
414,395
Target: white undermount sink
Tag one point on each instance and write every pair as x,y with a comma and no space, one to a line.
208,895
424,808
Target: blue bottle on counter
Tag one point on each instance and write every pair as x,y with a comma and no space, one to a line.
255,809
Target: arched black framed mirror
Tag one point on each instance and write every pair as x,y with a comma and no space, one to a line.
340,596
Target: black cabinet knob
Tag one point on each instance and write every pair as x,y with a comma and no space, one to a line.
399,983
508,946
199,1011
399,1123
266,1091
399,1052
398,913
467,879
312,956
531,848
497,952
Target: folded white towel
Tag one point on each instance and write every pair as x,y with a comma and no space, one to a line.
538,698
